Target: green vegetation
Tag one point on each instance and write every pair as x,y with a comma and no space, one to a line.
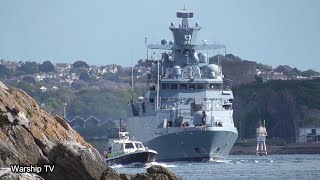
28,68
30,113
5,72
100,103
80,64
98,131
307,120
46,66
283,104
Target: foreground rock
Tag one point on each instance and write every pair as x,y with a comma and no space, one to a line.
30,136
19,176
153,173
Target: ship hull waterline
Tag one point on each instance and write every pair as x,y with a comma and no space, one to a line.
193,145
138,157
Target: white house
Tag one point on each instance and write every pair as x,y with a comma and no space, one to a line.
309,135
43,89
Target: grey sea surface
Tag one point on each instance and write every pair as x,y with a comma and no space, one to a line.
302,166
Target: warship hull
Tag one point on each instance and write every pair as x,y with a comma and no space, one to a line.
194,145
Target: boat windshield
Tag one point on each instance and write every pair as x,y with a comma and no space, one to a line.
139,145
129,145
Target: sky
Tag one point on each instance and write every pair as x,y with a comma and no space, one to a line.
273,32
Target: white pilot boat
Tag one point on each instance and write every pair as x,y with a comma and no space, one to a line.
125,151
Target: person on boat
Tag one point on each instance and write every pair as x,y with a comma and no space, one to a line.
109,153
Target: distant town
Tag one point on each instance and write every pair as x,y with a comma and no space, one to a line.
59,75
63,88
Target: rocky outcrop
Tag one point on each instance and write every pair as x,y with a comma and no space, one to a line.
109,173
30,136
8,175
154,172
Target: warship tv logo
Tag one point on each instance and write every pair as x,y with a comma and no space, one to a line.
46,168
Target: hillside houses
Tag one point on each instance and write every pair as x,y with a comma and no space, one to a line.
10,64
236,72
63,67
271,75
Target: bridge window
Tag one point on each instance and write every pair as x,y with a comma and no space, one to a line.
192,86
214,86
201,86
117,147
151,100
174,86
183,86
139,145
129,146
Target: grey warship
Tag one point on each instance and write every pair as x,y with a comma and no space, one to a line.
186,114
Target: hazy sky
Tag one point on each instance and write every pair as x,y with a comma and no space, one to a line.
274,32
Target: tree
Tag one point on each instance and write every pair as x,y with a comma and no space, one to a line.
29,79
259,79
29,68
46,66
28,88
84,76
80,64
5,72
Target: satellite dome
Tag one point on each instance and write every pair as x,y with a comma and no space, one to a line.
212,70
202,58
176,71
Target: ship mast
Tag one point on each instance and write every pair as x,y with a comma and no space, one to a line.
158,79
131,77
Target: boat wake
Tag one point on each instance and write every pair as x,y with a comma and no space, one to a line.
141,165
132,165
245,161
219,160
161,164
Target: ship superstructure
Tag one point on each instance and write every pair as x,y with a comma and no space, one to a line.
187,112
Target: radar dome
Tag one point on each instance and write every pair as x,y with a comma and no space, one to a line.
202,58
212,70
176,71
197,118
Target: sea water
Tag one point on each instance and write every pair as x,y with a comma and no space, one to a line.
241,167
